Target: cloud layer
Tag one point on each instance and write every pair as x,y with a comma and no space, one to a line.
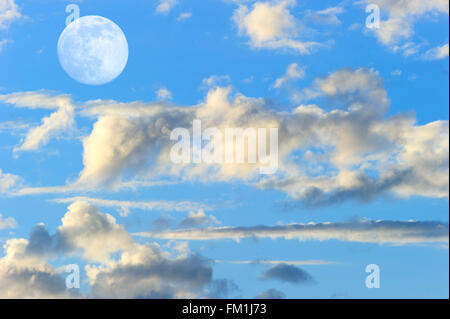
364,231
353,151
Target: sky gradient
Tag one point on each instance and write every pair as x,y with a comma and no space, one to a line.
86,176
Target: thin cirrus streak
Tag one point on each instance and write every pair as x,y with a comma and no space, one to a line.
364,231
179,206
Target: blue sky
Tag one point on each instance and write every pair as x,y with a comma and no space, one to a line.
363,137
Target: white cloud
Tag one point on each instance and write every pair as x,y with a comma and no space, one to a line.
165,6
8,222
327,16
271,25
27,275
121,268
9,11
437,53
58,122
401,17
163,94
293,72
124,206
97,235
364,231
184,16
8,182
352,152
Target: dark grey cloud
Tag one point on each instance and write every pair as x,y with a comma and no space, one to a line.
367,189
158,277
288,273
222,288
163,222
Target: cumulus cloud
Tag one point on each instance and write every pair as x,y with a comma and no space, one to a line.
351,150
118,267
62,120
402,16
28,275
271,25
8,222
287,273
144,271
363,231
9,12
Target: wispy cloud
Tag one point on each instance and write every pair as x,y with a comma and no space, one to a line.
437,53
125,206
9,12
365,231
165,6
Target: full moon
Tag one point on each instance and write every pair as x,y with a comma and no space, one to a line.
93,50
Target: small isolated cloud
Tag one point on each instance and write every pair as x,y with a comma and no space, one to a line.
271,25
437,53
165,6
184,16
7,182
9,12
396,72
194,219
8,222
163,94
293,72
287,273
271,294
